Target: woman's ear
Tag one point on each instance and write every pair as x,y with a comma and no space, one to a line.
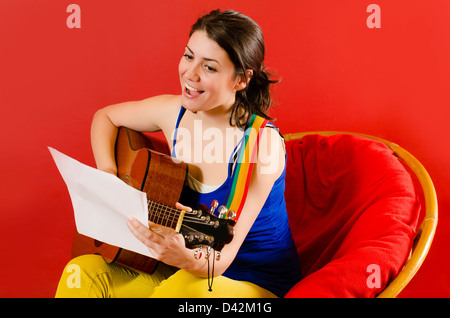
243,81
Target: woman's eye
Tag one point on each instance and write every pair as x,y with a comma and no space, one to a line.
188,56
210,69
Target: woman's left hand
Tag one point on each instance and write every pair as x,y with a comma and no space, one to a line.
164,243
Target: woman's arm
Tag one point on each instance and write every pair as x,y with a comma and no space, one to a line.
151,114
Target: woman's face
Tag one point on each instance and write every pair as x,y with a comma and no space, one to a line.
207,75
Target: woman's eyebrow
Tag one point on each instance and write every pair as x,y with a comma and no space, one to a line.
205,58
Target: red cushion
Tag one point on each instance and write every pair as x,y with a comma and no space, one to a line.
351,204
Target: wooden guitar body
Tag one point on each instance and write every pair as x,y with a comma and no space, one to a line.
138,168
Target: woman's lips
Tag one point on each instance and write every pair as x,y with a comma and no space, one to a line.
192,92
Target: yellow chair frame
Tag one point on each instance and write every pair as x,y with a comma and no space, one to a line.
424,238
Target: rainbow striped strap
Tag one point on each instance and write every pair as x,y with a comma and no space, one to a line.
244,166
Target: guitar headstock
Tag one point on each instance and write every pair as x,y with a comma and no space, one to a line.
202,227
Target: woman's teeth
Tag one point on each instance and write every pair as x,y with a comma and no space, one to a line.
191,88
192,91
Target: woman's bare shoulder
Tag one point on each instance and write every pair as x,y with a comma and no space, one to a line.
163,109
150,114
163,102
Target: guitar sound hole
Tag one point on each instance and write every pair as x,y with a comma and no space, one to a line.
98,243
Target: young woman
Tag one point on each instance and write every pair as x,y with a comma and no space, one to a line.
223,83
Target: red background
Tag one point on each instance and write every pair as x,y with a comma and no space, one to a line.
337,74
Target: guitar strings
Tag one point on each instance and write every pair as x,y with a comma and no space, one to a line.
166,207
169,216
192,229
161,212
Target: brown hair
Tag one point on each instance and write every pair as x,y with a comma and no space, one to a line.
243,40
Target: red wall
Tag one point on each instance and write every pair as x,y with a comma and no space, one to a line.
337,74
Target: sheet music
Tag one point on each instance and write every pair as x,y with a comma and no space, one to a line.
103,203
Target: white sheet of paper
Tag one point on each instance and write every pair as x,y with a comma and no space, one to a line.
103,203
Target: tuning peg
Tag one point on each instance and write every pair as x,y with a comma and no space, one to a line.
222,211
231,215
214,205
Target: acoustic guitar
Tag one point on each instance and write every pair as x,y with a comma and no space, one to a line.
142,164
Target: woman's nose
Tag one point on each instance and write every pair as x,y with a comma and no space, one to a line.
192,73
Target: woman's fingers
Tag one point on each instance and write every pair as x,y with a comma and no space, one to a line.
143,234
179,206
163,242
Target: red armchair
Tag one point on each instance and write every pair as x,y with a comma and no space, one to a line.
354,209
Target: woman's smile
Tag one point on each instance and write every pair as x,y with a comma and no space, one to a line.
192,92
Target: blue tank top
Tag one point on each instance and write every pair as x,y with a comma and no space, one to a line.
268,256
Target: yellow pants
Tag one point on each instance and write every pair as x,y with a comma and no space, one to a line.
91,276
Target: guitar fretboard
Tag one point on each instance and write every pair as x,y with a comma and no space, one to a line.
164,215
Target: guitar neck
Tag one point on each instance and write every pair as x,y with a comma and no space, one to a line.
165,215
